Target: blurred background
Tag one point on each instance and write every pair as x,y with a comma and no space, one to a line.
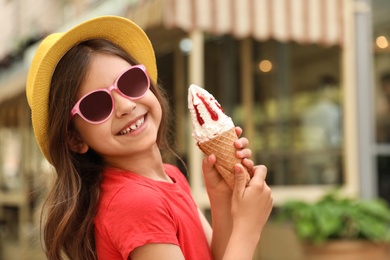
307,80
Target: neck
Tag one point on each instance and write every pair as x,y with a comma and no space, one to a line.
148,164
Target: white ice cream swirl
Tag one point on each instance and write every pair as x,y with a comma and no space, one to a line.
208,117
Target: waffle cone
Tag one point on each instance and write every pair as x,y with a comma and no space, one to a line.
222,146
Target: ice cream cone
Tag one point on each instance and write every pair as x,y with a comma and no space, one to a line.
222,146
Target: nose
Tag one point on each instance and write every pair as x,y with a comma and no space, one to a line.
122,106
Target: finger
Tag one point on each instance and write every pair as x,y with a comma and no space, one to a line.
245,153
238,131
259,173
241,143
249,164
239,180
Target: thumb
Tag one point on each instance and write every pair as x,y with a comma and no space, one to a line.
239,179
208,163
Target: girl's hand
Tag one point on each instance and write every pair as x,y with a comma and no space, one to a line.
251,207
213,179
252,204
233,221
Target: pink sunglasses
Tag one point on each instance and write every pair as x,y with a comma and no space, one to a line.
97,106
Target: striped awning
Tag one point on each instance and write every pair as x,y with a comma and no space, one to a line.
301,21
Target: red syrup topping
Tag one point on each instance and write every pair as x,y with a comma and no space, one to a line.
200,119
213,114
219,106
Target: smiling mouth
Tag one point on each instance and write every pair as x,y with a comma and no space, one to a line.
133,127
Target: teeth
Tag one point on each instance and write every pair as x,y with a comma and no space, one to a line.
133,126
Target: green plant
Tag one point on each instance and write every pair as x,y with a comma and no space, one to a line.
336,217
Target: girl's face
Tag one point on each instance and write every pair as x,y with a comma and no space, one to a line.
131,131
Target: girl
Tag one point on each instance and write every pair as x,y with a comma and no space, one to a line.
102,121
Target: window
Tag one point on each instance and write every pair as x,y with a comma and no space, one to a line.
382,95
295,105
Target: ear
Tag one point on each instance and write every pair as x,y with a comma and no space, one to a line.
76,144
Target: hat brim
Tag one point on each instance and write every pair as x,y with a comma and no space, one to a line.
118,30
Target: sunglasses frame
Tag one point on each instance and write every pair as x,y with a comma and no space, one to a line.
76,108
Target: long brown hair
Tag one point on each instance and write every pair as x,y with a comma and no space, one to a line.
69,210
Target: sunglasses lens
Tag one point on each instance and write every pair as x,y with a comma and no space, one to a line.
96,106
133,83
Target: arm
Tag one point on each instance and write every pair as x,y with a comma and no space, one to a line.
206,226
239,216
220,196
157,251
251,207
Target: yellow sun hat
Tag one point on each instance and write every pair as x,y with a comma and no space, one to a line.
118,30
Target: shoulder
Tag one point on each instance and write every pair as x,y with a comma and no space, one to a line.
122,194
134,204
137,214
136,196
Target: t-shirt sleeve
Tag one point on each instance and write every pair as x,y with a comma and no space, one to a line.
144,219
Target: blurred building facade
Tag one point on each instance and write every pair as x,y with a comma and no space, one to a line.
300,77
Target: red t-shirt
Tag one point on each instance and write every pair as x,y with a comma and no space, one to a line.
135,210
